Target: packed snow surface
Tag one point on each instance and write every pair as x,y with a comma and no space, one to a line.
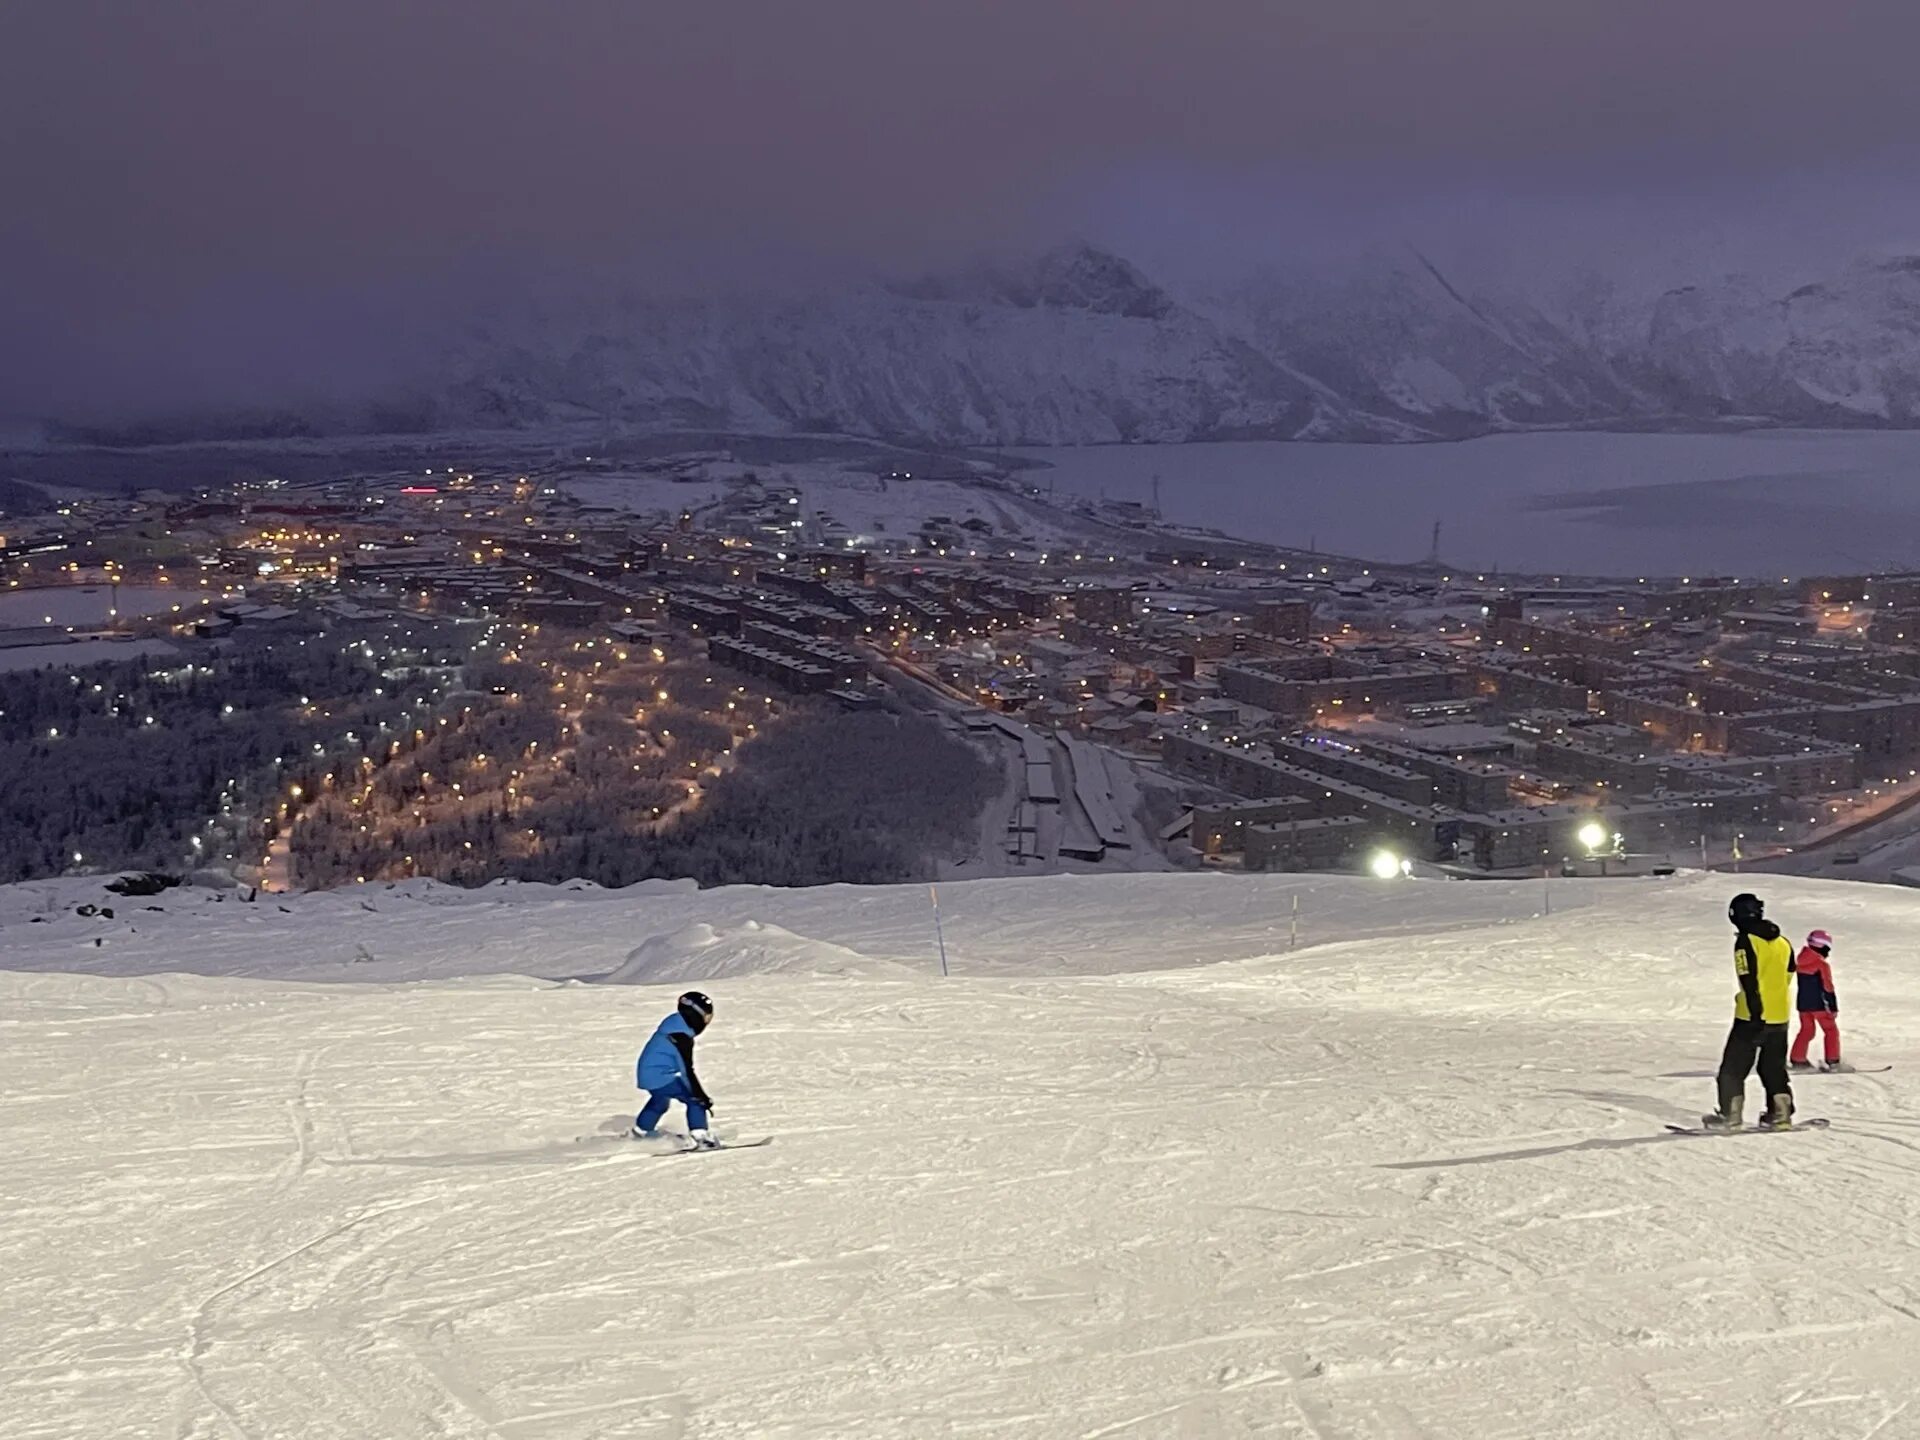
1138,1168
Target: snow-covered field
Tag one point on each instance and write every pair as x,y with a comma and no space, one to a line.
90,604
868,507
642,493
1765,503
1137,1169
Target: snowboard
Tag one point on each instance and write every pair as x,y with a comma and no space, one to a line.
1819,1123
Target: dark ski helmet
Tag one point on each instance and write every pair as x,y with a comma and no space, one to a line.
696,1009
1746,910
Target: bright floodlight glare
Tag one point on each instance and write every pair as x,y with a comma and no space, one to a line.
1384,864
1593,835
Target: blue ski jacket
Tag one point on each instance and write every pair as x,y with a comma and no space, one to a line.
668,1056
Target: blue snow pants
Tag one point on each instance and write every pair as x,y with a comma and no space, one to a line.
657,1101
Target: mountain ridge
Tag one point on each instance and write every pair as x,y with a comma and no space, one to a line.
1078,345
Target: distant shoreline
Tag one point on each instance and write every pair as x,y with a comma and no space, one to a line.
185,463
620,435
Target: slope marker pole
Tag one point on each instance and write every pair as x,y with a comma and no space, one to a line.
938,934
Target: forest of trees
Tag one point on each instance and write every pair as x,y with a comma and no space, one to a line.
816,797
128,764
827,798
372,761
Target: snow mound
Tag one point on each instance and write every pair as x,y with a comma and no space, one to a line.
701,951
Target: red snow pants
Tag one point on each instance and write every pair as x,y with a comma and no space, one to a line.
1829,1024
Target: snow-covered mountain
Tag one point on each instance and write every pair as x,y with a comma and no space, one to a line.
1847,349
1079,346
1138,1169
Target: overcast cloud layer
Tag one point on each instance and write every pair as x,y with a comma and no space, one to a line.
214,200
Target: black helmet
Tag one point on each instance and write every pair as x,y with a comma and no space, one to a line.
1746,910
696,1009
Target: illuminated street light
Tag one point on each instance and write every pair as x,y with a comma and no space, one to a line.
1385,865
1593,835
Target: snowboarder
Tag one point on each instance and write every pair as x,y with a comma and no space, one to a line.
665,1071
1763,964
1818,1005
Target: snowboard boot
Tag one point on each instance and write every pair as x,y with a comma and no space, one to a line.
1727,1117
1800,1065
704,1140
1780,1115
1829,1067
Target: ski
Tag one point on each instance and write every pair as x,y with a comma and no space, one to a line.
1819,1123
1845,1068
723,1145
637,1147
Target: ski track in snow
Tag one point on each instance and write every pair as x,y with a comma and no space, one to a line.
1167,1179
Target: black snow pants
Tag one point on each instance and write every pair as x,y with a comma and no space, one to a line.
1747,1041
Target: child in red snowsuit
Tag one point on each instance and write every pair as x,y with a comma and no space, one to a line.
1817,1003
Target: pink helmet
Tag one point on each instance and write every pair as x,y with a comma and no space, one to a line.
1820,940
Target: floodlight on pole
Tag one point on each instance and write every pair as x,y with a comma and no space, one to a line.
1593,835
1385,865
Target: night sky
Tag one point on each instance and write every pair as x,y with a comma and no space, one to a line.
213,200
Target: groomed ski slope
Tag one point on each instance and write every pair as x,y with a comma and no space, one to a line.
1135,1170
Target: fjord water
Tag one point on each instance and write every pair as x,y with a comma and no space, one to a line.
1755,503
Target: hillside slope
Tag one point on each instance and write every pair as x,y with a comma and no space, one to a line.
1136,1170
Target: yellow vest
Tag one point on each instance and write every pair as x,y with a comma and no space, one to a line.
1771,963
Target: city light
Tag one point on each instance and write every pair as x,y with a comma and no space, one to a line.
1385,865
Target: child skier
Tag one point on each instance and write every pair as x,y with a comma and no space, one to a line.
1818,1005
1763,965
665,1071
